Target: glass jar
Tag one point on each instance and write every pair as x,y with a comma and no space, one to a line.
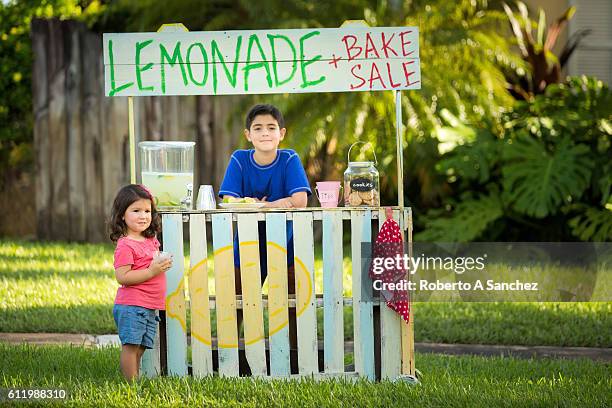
167,170
361,188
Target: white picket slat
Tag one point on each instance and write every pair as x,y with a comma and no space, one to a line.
150,364
333,327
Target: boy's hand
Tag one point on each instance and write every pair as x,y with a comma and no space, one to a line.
263,200
297,200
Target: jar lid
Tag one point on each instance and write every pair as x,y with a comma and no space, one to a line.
361,164
163,144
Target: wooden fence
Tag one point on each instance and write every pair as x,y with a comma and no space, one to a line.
383,344
81,136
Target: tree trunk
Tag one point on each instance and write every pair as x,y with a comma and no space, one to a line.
81,139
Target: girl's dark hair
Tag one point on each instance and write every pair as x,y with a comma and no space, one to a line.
264,109
125,197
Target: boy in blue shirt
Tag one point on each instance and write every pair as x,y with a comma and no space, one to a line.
270,175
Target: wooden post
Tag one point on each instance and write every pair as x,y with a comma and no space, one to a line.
132,131
400,149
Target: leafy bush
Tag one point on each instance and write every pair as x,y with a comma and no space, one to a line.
546,176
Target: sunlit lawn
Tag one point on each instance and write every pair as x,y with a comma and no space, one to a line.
56,287
91,377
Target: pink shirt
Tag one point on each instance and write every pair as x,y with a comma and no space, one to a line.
139,254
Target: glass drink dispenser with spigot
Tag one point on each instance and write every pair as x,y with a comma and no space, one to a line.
167,170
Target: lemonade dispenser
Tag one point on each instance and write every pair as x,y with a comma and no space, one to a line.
167,170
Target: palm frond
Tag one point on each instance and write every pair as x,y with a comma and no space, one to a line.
467,222
536,181
593,224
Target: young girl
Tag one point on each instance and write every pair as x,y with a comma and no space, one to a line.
134,225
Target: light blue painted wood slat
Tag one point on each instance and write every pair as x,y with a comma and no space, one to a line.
225,291
333,327
201,341
305,293
254,337
390,329
176,330
150,364
363,321
276,233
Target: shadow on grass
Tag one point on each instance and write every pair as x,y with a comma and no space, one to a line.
88,319
46,272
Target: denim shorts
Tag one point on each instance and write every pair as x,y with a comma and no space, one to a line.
136,325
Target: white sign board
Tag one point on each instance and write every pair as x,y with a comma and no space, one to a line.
262,61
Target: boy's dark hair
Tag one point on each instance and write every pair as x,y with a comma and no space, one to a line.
264,109
125,197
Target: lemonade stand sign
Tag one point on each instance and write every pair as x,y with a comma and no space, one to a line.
348,59
263,61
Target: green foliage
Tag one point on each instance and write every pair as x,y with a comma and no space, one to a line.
537,181
551,163
470,217
592,224
474,161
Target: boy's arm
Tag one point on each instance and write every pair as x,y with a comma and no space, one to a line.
127,277
232,180
297,200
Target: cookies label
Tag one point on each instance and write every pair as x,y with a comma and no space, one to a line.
362,184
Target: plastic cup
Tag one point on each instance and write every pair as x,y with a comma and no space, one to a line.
206,198
162,256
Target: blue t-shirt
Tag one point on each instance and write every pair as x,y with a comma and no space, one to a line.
279,179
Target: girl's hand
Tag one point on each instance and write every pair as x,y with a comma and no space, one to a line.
159,266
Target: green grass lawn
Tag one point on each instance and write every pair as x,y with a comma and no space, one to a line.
56,287
91,377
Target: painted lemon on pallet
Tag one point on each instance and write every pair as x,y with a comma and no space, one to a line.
224,259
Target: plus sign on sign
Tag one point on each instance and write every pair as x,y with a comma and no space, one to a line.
262,61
